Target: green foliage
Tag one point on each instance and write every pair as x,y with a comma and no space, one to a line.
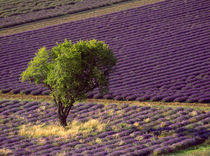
70,71
121,126
37,68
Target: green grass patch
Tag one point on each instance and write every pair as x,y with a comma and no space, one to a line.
199,150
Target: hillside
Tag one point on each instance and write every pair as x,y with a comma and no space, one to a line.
16,12
91,12
159,99
31,128
162,52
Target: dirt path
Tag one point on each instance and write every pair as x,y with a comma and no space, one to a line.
77,16
46,98
83,15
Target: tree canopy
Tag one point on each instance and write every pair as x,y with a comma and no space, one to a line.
70,71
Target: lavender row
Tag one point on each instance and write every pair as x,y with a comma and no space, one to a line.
134,130
162,52
47,10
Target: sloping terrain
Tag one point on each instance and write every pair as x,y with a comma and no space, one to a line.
39,24
15,12
26,129
162,50
163,55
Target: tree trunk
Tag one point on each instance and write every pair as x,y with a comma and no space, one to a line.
63,112
62,119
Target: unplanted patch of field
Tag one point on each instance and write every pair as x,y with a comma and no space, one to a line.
32,128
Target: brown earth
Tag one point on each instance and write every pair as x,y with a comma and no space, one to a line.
77,16
46,98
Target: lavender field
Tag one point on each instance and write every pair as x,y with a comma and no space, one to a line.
16,12
163,55
162,51
96,129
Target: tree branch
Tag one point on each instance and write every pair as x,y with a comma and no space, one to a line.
67,109
60,104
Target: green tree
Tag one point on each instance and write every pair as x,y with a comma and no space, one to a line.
70,71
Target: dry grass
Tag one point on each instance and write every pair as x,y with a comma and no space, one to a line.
4,151
41,130
61,153
147,120
45,98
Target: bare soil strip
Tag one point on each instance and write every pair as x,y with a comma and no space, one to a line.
77,16
47,98
84,15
